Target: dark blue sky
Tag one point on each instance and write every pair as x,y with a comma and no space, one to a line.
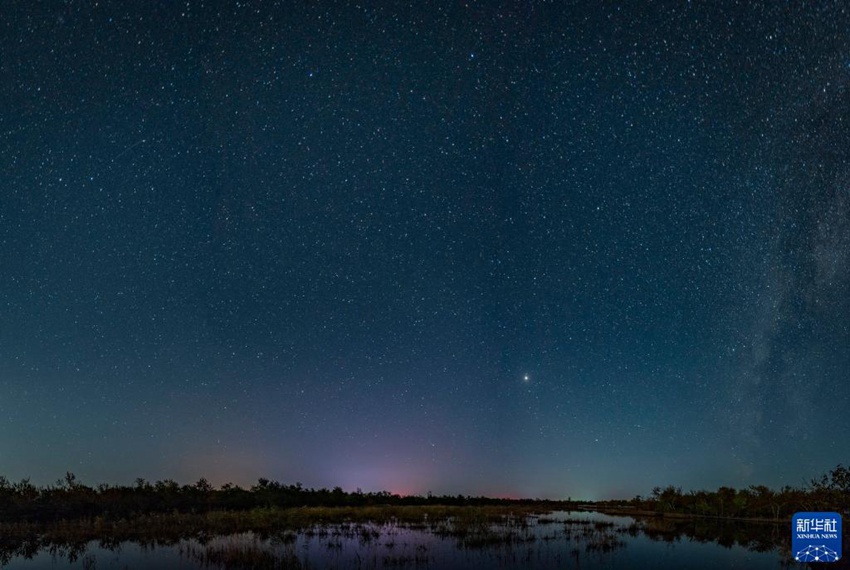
529,250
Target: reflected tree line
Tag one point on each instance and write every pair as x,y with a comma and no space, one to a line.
70,499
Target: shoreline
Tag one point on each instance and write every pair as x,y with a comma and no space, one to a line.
275,519
683,516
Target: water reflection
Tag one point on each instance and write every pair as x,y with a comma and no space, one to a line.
555,540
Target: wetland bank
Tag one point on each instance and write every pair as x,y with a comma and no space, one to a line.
272,525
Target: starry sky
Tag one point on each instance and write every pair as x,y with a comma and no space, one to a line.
534,249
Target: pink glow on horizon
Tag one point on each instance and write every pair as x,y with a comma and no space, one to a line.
402,480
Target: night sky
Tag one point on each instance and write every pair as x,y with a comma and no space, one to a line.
520,249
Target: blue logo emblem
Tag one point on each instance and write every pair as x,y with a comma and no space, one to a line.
816,537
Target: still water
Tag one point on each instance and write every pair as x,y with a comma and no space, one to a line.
590,541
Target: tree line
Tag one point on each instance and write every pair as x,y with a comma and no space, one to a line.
70,499
829,492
